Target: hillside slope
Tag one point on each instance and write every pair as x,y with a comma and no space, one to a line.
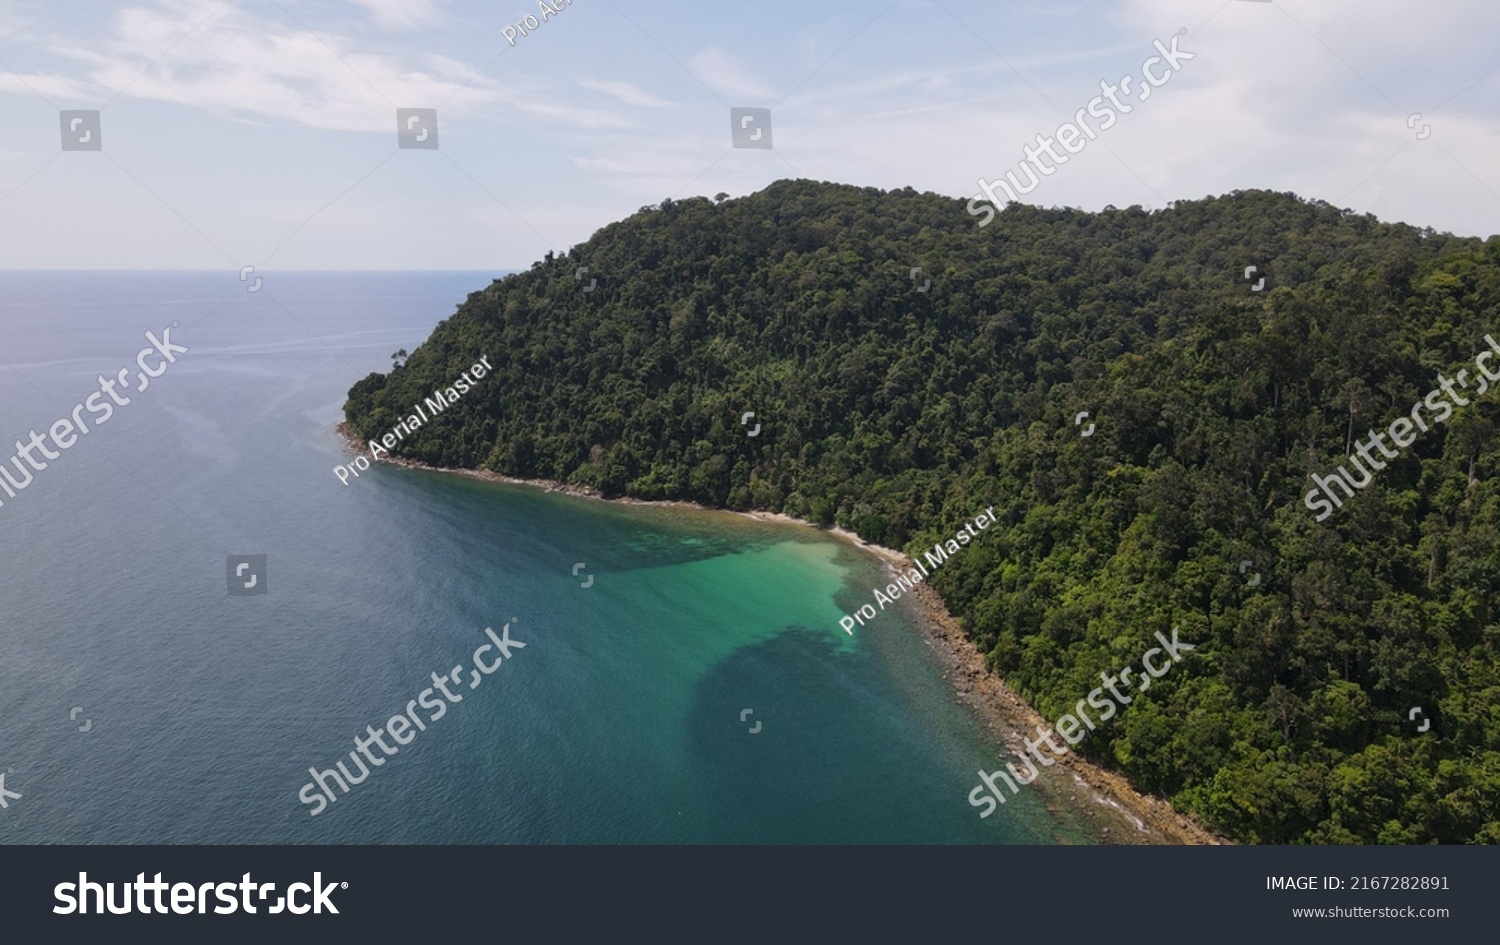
902,413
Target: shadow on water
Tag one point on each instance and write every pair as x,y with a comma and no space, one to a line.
840,757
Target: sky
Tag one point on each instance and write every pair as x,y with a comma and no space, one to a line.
261,133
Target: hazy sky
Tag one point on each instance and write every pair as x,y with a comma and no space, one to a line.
263,133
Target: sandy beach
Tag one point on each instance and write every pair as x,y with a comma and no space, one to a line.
1078,792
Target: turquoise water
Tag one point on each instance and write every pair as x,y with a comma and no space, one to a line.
620,721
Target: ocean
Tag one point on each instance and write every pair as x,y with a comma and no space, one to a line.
684,678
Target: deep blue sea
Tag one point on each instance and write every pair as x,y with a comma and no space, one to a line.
619,722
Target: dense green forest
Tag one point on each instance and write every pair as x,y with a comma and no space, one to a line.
901,413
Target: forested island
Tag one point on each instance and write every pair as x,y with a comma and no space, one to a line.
897,403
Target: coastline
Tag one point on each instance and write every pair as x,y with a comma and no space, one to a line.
1119,814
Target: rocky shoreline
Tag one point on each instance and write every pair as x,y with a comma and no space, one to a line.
1119,814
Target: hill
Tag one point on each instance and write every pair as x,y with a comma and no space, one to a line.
901,413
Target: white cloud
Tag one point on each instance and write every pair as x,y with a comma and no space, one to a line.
403,14
238,64
49,86
626,93
727,76
580,117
